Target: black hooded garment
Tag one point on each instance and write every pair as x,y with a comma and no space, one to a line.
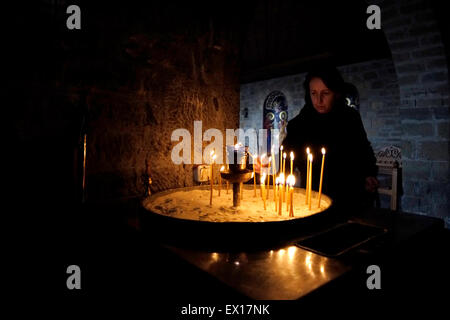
349,156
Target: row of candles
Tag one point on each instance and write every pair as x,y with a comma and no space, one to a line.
281,186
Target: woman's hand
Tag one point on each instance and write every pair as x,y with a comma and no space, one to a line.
371,184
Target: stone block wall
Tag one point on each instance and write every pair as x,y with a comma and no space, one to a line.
379,99
419,57
134,73
404,102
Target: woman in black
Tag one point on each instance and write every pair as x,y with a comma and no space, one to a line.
326,121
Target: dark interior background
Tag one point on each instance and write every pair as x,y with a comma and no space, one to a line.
138,70
287,37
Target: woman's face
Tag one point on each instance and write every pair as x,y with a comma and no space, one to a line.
321,97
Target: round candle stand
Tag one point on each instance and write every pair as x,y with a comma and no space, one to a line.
236,175
228,234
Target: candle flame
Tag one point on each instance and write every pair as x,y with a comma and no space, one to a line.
211,153
307,150
222,168
281,148
284,155
292,155
277,181
263,178
264,156
310,156
290,180
214,157
281,177
323,150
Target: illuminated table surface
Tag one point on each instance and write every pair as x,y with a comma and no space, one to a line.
290,272
282,274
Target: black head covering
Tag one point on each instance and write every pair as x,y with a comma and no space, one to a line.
330,77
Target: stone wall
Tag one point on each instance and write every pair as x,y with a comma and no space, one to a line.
134,74
379,99
419,57
404,102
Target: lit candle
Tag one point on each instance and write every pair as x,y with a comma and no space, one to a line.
273,173
321,176
213,156
255,157
291,195
280,194
241,185
220,179
288,200
284,175
275,194
235,153
263,194
280,199
310,179
281,156
307,176
268,180
261,166
287,190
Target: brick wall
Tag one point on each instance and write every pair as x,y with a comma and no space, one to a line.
379,99
418,54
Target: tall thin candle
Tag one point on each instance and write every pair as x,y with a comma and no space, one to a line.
261,167
284,175
263,193
291,195
275,194
310,179
287,190
281,159
307,176
213,157
280,196
273,174
321,177
255,157
268,180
